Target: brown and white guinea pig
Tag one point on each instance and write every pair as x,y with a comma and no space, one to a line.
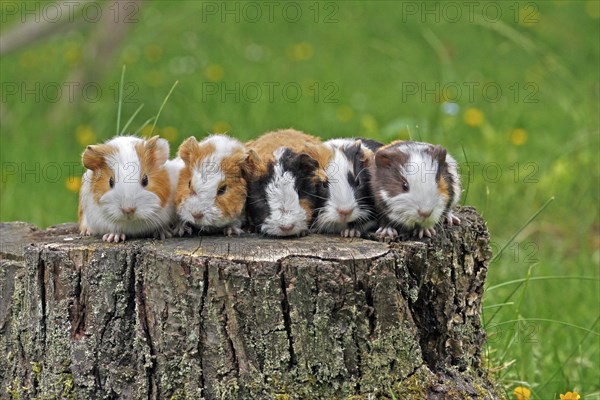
212,187
349,209
291,183
127,190
415,185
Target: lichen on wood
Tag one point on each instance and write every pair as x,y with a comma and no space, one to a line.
212,317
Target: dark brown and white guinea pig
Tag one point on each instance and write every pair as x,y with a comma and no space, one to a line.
126,190
415,185
212,187
349,209
291,185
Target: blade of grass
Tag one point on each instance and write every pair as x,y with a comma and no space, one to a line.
131,119
120,100
542,208
162,105
572,353
510,303
468,177
143,125
543,278
555,321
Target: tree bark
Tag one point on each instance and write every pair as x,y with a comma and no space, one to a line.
320,317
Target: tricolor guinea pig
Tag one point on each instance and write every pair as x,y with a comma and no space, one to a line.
291,185
212,187
126,190
416,185
349,208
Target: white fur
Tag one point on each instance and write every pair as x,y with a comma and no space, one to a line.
423,194
341,194
284,204
206,179
106,216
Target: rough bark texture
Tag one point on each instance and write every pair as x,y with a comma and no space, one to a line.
319,317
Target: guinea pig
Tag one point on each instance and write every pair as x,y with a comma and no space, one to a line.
291,184
349,209
126,190
415,186
212,187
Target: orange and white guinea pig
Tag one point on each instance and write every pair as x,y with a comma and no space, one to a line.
127,190
212,187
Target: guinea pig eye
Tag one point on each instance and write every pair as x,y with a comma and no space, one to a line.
111,182
145,180
325,185
405,186
222,190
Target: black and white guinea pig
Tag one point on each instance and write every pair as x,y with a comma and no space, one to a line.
349,209
212,187
415,186
291,185
127,190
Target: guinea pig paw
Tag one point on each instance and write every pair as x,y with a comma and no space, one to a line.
114,237
350,233
452,219
86,232
232,230
303,233
181,229
388,232
420,232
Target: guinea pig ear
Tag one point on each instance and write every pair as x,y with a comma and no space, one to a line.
157,150
439,154
305,164
252,166
187,149
94,156
386,157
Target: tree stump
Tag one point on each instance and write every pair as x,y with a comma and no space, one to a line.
319,317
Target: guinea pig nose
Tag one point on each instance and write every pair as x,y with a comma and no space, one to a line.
424,214
286,228
198,215
128,211
344,212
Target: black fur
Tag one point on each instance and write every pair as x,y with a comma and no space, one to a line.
303,168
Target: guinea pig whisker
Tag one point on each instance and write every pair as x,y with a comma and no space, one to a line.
319,197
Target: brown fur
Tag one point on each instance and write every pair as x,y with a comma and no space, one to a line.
94,159
296,141
271,141
308,209
152,164
236,168
443,187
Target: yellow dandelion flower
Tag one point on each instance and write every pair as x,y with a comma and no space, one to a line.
28,59
154,78
148,132
214,72
85,135
170,133
474,117
344,113
518,136
592,8
221,127
570,396
153,52
73,184
72,55
522,393
301,51
369,123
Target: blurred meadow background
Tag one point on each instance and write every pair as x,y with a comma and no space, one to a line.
510,88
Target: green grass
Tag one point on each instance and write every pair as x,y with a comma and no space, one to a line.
354,75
